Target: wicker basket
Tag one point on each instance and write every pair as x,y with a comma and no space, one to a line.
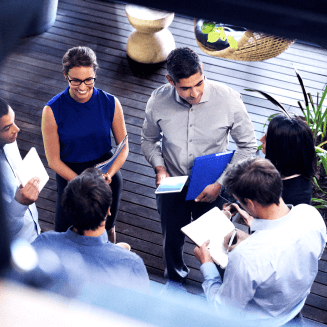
252,46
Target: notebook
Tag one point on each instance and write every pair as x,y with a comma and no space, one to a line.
105,165
30,167
213,226
171,184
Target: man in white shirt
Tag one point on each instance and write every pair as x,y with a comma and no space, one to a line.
19,202
270,272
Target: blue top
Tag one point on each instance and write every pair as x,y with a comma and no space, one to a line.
94,259
83,128
22,219
269,275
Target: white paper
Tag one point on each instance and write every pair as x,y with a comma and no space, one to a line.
213,226
30,167
171,184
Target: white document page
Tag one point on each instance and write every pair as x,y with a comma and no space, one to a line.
30,167
213,226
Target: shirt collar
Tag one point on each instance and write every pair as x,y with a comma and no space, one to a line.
264,224
205,97
87,240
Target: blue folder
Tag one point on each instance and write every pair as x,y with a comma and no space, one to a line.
206,170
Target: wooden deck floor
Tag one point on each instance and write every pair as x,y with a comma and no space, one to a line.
31,75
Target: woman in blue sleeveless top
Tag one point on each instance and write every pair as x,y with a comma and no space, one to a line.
76,126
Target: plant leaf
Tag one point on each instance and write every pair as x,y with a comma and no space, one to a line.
232,42
323,97
206,28
213,37
302,86
271,99
316,182
223,35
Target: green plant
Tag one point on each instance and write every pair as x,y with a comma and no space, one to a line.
214,33
315,115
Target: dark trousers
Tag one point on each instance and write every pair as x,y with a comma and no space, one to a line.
175,213
62,223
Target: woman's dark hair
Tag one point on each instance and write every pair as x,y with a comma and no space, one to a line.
86,200
290,147
256,179
183,63
77,57
4,108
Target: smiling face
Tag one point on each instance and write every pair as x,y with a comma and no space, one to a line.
8,128
190,89
81,93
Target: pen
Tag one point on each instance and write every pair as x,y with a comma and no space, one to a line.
231,239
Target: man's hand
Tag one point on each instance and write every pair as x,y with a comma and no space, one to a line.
245,216
209,194
29,193
161,174
240,237
202,253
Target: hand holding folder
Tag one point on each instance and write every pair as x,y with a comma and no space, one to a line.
206,170
104,166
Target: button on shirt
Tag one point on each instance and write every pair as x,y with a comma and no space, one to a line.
187,132
269,275
22,219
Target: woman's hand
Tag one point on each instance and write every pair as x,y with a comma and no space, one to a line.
107,177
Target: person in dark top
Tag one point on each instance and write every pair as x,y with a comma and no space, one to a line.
76,127
288,144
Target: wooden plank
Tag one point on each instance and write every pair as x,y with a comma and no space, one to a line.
32,75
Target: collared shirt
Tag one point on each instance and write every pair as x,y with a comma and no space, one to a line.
269,275
95,259
188,131
22,219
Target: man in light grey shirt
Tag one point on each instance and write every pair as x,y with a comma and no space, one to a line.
192,117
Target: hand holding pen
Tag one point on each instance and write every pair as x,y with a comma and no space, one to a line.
234,238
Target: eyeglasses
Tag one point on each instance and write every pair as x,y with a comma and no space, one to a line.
77,82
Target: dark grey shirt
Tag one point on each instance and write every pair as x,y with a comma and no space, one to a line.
188,131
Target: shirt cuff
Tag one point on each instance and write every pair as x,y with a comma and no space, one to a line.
209,270
158,161
17,209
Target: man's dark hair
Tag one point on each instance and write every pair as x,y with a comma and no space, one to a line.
290,147
77,57
183,63
256,179
4,108
86,200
